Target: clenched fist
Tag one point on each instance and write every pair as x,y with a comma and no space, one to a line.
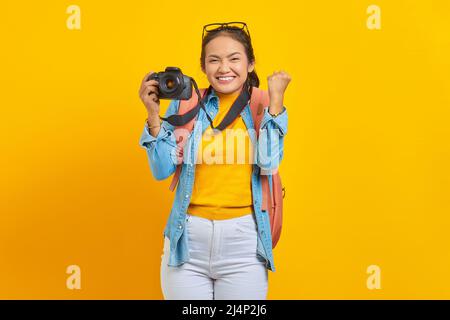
277,84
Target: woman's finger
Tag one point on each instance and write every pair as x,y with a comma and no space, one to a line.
147,88
146,76
150,83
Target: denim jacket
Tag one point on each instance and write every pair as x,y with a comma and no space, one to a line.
161,150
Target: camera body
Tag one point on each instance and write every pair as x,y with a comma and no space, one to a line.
173,84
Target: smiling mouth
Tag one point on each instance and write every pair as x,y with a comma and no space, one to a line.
225,79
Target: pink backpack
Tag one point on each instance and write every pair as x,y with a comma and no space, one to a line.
274,201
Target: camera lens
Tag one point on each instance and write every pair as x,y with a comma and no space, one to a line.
170,83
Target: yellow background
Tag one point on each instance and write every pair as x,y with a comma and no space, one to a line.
367,155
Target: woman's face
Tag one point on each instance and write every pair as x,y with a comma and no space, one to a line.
225,57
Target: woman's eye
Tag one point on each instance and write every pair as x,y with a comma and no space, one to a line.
235,59
212,61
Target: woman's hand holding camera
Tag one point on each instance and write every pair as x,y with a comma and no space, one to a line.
149,95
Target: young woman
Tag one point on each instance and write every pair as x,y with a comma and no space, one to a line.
217,241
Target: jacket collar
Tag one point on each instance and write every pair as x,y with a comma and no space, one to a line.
213,95
246,112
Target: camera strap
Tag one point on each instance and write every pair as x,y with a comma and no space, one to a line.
179,120
239,104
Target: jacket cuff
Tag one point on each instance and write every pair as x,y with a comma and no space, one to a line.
147,140
279,122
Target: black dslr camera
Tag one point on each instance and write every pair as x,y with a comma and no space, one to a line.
173,84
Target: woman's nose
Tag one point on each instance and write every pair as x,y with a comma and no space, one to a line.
223,67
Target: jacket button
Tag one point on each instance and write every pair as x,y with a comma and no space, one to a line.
180,226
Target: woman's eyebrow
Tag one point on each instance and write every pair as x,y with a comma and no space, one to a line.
214,55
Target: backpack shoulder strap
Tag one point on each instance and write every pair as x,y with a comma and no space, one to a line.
258,101
272,200
182,133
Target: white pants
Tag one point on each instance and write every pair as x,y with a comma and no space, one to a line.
223,262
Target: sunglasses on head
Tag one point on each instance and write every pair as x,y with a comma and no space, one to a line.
227,25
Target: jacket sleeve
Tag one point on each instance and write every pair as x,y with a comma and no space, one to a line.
161,149
271,140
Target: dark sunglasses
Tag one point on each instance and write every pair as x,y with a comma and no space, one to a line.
227,25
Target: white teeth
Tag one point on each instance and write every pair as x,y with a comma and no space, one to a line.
226,78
